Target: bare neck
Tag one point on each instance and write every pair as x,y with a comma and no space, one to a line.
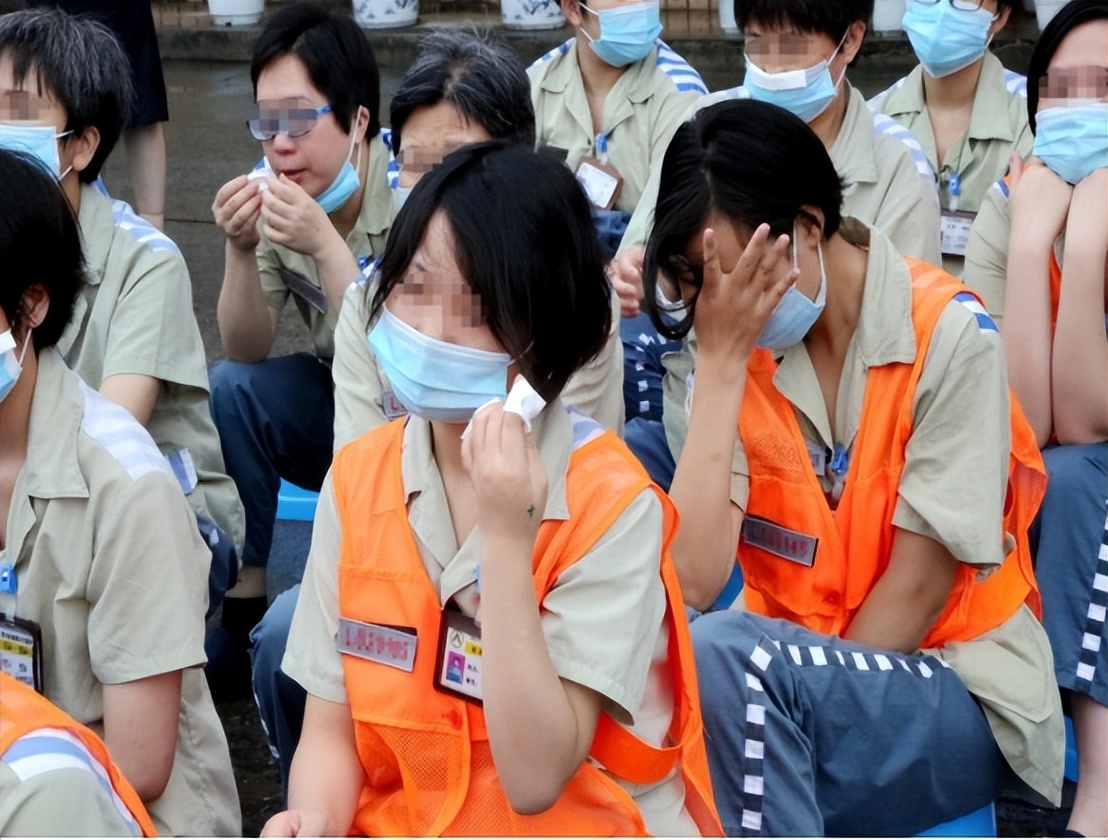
828,124
955,91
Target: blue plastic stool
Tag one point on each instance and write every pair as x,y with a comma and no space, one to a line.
1071,752
295,504
981,823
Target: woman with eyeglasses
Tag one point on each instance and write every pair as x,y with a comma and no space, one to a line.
300,226
1039,255
852,447
489,629
967,111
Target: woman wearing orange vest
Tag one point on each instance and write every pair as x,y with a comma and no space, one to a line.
851,441
490,630
56,777
1038,255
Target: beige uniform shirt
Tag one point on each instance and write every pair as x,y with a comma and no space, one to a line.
640,115
59,794
110,564
134,316
364,400
602,621
952,489
885,186
285,272
998,126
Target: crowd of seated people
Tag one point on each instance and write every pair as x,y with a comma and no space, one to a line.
688,463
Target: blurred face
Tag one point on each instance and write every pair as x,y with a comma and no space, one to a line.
429,135
580,19
780,50
26,105
435,299
314,159
1078,72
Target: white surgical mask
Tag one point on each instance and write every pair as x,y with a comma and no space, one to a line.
795,313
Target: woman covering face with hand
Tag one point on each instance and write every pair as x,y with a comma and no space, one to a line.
850,443
463,585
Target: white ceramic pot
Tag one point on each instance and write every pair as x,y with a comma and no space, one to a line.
235,12
1046,9
887,15
727,17
386,14
531,14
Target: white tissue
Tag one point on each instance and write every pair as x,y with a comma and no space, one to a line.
522,400
262,176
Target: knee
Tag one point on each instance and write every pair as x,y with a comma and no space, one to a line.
270,635
725,646
231,384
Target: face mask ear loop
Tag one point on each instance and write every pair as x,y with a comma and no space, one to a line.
26,344
842,75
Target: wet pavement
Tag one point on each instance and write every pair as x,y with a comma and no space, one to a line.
207,145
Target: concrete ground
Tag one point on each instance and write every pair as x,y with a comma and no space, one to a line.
208,144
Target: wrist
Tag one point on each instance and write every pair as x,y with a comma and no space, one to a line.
722,370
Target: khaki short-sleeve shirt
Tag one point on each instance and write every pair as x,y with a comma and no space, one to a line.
602,622
364,400
640,113
62,802
133,315
885,186
998,126
110,564
282,270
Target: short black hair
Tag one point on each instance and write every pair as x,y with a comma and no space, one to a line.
822,17
750,161
484,80
40,245
1069,17
78,61
336,53
530,254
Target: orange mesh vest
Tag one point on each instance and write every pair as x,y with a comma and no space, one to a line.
23,710
429,767
855,540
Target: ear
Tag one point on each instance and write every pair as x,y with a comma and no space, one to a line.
807,233
82,148
852,43
1002,15
361,122
35,305
573,14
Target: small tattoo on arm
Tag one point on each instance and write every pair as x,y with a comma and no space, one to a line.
531,512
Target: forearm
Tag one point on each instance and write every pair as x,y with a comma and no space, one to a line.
521,686
1026,330
326,774
908,597
705,545
337,269
140,729
1079,363
245,322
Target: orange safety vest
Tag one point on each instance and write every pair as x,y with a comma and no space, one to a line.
429,767
23,711
855,540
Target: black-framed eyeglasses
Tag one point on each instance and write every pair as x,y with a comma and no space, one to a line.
960,5
295,122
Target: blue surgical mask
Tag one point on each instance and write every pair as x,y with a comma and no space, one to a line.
1073,141
805,93
346,183
39,141
627,33
946,39
795,313
10,366
436,380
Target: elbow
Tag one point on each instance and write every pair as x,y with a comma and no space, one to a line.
152,784
529,797
701,585
1078,431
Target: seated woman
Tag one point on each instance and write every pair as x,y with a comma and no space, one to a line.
461,589
968,112
103,573
1038,254
850,440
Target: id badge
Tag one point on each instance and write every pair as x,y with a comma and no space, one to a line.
780,541
21,652
382,643
458,666
302,287
601,182
392,407
956,225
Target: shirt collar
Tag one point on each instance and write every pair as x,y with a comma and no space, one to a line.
853,151
635,86
52,470
378,200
